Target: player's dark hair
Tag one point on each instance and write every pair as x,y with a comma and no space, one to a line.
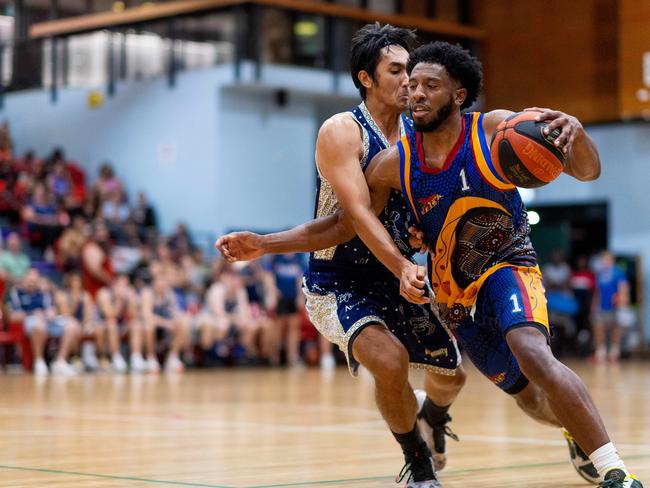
459,63
366,48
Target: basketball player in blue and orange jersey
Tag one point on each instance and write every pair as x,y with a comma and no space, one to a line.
351,298
482,268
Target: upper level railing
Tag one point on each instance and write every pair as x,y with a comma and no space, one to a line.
102,49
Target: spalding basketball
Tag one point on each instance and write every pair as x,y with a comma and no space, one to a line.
523,154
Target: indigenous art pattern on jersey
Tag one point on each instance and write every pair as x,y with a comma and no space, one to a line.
474,220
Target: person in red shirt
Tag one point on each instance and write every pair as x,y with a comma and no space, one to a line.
96,268
583,284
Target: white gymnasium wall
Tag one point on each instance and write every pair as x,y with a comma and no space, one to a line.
206,153
266,159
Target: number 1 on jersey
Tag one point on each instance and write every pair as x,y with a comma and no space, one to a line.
463,179
515,303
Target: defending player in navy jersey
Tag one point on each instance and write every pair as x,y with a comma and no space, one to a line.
351,298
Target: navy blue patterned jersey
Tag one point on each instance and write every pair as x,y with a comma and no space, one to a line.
354,255
474,220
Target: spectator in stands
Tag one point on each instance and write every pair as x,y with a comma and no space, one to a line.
160,312
180,242
196,270
126,253
10,202
14,263
175,275
613,293
141,274
561,304
118,314
115,211
96,267
71,243
58,181
44,221
227,318
263,298
57,156
73,301
6,144
144,216
583,284
34,307
288,270
557,273
89,209
107,183
27,163
7,174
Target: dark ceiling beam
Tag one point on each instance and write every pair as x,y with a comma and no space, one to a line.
152,12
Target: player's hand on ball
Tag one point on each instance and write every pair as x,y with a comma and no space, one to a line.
240,246
568,125
416,239
412,283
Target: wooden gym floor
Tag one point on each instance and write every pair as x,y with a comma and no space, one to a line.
284,428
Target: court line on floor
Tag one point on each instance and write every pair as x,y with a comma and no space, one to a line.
110,476
450,473
370,427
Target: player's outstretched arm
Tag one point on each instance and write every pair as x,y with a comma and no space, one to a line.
308,237
582,160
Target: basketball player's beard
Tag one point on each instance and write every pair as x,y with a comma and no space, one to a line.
441,115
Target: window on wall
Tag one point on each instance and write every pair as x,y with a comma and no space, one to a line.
293,38
198,43
277,47
309,40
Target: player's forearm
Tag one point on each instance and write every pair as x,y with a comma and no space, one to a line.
312,236
376,237
583,162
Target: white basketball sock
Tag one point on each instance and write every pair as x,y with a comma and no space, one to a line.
606,458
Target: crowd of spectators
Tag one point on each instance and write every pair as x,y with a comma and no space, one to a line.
96,287
589,305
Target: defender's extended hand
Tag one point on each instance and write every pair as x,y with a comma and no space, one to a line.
412,284
240,246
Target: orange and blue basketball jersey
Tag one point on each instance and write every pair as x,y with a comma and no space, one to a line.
482,267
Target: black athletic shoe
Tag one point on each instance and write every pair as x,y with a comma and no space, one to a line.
616,478
419,468
580,461
434,435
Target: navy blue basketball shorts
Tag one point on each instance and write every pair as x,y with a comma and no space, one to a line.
340,305
510,298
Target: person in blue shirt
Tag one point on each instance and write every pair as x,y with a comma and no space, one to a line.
613,294
288,270
34,306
